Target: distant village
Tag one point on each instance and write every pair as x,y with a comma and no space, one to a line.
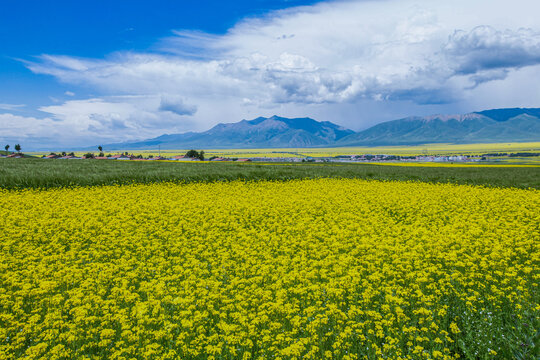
193,155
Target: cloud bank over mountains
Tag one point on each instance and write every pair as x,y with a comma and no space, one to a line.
339,61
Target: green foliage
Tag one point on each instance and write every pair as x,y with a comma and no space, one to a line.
195,154
18,147
38,173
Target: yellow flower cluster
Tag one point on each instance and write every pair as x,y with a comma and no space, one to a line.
311,269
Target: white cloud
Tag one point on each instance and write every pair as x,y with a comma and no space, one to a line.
176,105
485,48
92,121
28,131
11,107
69,93
311,60
103,116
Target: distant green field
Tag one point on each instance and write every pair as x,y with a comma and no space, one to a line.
427,149
41,173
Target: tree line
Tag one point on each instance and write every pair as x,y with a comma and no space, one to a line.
17,147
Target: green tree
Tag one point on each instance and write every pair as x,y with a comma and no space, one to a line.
195,154
100,148
18,148
6,147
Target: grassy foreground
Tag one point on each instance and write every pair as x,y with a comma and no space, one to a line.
39,173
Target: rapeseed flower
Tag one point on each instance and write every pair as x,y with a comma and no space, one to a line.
326,268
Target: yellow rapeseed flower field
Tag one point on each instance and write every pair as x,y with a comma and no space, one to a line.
304,269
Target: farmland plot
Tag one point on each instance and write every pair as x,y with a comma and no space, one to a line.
312,269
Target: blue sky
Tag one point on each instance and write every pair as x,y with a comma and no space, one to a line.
87,72
96,28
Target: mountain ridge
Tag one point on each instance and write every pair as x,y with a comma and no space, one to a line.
495,125
502,125
274,131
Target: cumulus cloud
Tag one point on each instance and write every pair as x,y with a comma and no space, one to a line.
308,60
28,131
101,116
93,121
14,126
177,106
485,48
484,76
339,52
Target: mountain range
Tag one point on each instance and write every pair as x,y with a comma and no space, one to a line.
497,125
272,132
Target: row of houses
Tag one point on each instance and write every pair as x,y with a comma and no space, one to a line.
119,157
369,158
139,157
14,155
342,158
421,158
229,159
